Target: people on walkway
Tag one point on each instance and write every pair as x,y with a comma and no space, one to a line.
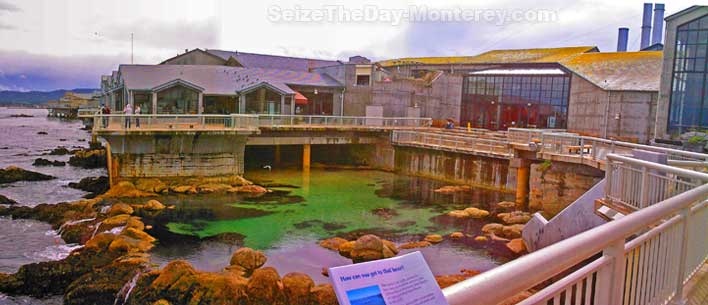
127,111
105,110
137,116
450,124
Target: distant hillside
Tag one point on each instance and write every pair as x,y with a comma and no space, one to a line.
36,97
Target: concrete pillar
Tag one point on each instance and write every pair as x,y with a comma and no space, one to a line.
292,105
200,103
154,103
109,163
241,104
282,104
523,173
261,100
306,156
276,157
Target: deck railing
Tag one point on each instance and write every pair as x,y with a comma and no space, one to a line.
113,122
87,112
451,142
327,120
645,257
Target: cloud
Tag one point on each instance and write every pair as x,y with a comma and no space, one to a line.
4,6
45,72
178,34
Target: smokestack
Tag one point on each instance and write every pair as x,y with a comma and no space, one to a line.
646,26
657,29
622,39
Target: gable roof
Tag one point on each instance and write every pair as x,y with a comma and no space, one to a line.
219,80
253,60
686,11
632,71
542,55
190,52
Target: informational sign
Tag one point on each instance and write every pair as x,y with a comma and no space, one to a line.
402,280
551,122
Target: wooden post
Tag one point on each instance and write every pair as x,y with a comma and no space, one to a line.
306,157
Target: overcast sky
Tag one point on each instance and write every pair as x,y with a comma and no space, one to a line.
54,44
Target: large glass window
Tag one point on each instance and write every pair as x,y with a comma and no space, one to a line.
144,100
177,100
263,101
500,102
689,91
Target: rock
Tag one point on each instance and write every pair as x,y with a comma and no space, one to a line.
42,133
433,238
116,221
132,240
296,288
183,189
517,246
493,228
512,231
213,188
93,185
481,238
252,189
151,185
453,189
45,162
345,249
153,205
120,208
323,295
449,280
13,174
515,217
476,213
333,243
162,302
248,259
506,204
91,158
457,235
458,214
126,189
5,200
105,283
367,248
60,151
135,223
415,244
390,249
264,287
384,213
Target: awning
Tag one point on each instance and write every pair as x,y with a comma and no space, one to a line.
300,99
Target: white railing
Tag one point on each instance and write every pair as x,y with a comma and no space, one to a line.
266,120
451,142
645,257
115,122
527,135
87,112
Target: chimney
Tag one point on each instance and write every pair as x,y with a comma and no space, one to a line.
657,29
646,26
622,39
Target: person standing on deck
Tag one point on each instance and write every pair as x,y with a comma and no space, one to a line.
137,117
106,111
128,110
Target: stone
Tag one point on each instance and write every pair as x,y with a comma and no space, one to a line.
517,246
5,200
384,213
116,221
252,189
433,238
183,189
512,231
13,174
390,249
515,217
265,288
59,151
120,208
89,158
481,238
493,228
151,185
126,189
507,204
213,188
248,259
345,249
476,213
93,185
333,243
45,162
153,205
296,288
453,189
367,248
323,294
458,214
451,279
457,235
415,244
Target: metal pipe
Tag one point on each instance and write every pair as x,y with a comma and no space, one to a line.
646,26
657,29
622,35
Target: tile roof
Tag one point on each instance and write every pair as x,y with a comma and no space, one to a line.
253,60
543,55
634,71
220,79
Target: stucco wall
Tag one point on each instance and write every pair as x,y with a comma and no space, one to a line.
588,108
439,100
555,185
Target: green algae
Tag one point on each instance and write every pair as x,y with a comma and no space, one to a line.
333,202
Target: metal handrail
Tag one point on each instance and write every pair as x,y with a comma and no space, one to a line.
451,141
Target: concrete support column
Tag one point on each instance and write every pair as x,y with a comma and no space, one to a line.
292,105
282,104
306,156
109,163
522,169
200,103
276,157
154,103
241,104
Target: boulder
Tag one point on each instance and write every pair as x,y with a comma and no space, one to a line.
151,185
506,204
493,228
213,188
116,221
332,243
515,217
390,249
90,158
248,259
384,213
120,208
13,174
345,249
183,189
512,231
433,238
59,151
251,189
126,189
476,213
457,235
458,214
323,295
93,185
5,200
367,248
296,288
481,238
517,246
45,162
265,288
453,189
153,205
416,244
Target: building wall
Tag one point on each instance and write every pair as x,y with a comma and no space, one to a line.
555,185
588,107
195,58
662,113
438,100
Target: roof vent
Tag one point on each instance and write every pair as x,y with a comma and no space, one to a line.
622,35
658,26
646,26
